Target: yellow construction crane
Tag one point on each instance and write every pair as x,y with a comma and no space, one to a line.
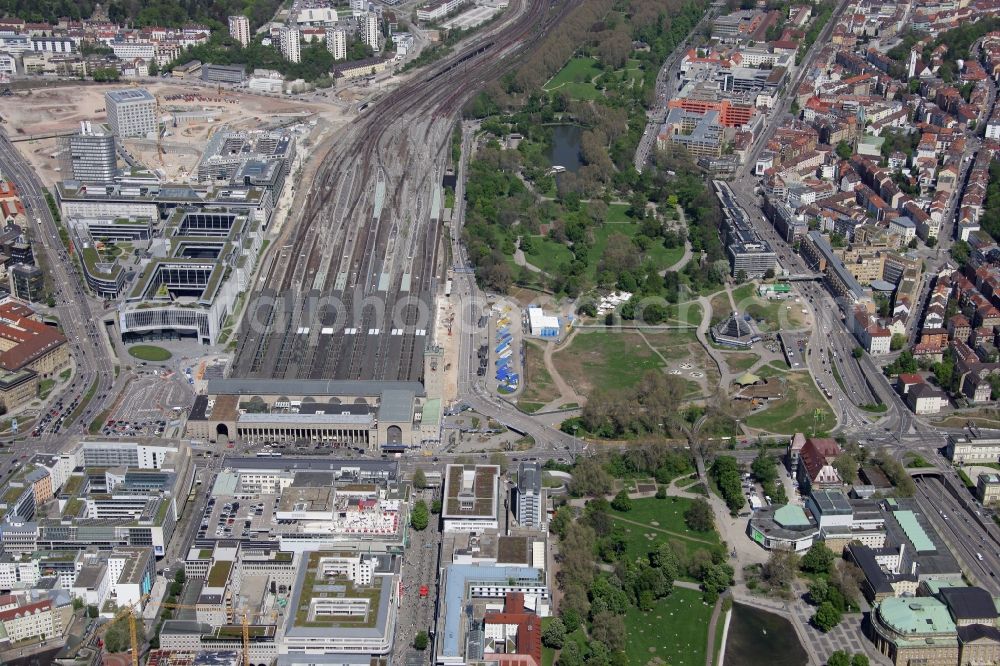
245,622
129,612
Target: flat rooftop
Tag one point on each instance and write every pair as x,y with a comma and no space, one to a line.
470,491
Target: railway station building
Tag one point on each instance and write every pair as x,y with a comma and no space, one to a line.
374,415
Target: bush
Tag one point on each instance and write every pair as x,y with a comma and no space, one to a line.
827,617
622,502
661,493
420,641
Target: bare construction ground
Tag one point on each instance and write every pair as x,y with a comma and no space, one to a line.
198,111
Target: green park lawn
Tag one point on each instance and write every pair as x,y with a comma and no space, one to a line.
663,520
611,361
797,410
548,254
575,78
149,353
674,632
618,214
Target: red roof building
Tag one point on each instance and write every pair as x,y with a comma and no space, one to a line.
816,463
514,622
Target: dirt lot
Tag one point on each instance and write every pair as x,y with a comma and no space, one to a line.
199,111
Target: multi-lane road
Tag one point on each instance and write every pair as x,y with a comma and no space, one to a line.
78,316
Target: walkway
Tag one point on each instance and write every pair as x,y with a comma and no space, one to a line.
686,257
567,394
520,260
712,628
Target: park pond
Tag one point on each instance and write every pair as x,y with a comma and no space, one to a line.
565,149
751,629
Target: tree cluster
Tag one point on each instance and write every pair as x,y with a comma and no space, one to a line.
649,407
315,65
896,473
765,470
726,473
420,516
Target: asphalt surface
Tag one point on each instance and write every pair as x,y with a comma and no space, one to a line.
78,315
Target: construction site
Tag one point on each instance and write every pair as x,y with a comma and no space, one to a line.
190,115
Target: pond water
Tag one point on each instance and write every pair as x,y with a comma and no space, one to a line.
759,638
565,150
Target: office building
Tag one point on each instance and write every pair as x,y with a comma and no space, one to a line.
223,73
336,43
471,498
291,44
28,282
370,31
91,154
528,499
239,29
131,112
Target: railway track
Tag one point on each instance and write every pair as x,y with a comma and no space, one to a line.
372,250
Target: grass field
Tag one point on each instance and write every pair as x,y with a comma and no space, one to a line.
674,345
149,353
740,361
539,389
618,213
653,521
721,307
548,254
609,360
770,315
674,632
795,412
575,79
686,313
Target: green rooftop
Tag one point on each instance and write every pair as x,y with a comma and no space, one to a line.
914,532
219,573
432,412
935,585
791,515
913,616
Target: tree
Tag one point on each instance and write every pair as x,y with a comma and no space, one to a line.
779,570
622,502
436,505
570,655
857,352
154,69
859,660
699,516
419,479
741,276
839,658
661,492
897,342
609,629
77,603
421,640
769,274
420,517
117,637
847,466
554,635
826,617
818,559
844,150
180,576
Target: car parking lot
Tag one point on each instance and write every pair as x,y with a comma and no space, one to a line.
236,518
